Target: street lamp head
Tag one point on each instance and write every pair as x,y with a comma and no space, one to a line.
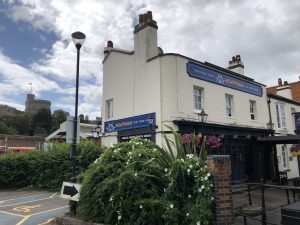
96,131
203,116
78,38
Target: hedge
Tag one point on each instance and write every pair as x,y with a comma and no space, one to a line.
45,169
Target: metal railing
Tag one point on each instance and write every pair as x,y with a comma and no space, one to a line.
261,203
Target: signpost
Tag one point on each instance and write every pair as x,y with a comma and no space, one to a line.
70,191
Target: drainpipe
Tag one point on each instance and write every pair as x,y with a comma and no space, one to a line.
273,147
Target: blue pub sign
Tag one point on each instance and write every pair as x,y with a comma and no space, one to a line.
297,120
134,122
221,78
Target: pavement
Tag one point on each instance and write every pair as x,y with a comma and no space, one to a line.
30,207
275,199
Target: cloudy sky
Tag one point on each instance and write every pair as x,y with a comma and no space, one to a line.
36,46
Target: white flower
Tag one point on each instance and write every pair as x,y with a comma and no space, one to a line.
166,170
135,174
202,186
119,217
197,163
164,190
208,174
198,223
155,150
171,206
205,178
188,170
200,189
191,166
140,155
141,206
212,198
189,196
182,160
111,198
187,214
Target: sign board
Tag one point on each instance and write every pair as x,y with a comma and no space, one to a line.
70,191
145,120
221,78
70,130
297,120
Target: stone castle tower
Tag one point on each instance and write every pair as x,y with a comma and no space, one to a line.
33,105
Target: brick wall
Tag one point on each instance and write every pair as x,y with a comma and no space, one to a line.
220,167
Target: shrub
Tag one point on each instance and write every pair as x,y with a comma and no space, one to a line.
138,183
45,169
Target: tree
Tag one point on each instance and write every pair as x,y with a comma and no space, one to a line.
42,119
59,116
22,123
4,129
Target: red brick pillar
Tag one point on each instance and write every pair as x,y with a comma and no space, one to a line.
220,167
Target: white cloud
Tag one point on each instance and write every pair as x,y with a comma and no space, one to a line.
264,32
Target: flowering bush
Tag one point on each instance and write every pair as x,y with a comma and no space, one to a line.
295,150
139,183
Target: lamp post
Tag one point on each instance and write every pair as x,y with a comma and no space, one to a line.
78,39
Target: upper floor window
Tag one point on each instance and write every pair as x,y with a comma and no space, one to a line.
281,120
229,105
197,93
109,109
252,110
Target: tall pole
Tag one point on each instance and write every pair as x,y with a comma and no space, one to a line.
73,204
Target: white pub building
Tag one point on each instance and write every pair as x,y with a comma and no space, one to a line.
146,89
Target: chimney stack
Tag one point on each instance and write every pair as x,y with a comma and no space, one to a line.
279,82
285,83
236,65
108,47
145,37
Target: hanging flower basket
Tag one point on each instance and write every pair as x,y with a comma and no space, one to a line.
295,150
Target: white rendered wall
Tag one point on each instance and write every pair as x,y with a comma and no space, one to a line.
177,98
292,170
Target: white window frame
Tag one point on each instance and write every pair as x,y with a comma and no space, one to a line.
253,113
197,99
280,114
109,109
229,106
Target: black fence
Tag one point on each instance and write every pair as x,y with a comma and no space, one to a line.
262,204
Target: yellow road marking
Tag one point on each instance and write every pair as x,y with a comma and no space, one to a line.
48,210
48,221
13,214
23,220
52,196
25,208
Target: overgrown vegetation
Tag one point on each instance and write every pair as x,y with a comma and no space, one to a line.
138,183
45,169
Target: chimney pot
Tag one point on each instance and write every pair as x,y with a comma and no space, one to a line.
285,83
140,18
238,58
110,44
233,59
279,82
149,15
